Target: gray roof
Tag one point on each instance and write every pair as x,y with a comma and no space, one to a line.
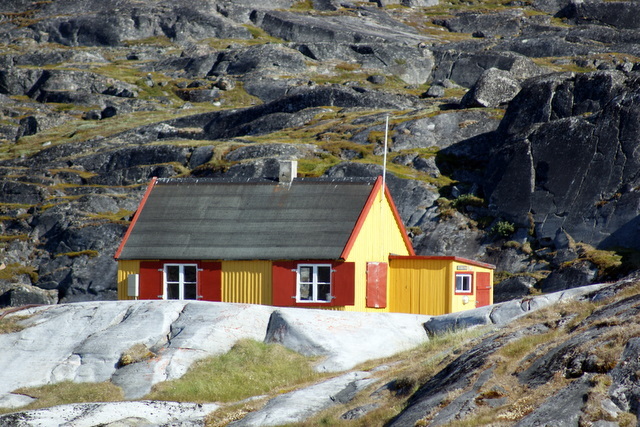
217,219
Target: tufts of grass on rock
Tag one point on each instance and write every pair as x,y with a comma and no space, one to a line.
250,368
69,392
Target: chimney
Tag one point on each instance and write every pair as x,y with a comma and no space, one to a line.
288,171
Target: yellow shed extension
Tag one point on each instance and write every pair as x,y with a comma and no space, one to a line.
435,285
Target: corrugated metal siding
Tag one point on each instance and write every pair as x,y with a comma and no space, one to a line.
379,236
419,286
246,282
125,268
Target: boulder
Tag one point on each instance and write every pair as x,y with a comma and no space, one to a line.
563,408
408,195
412,64
507,23
269,89
16,295
99,26
465,68
493,88
575,275
301,331
624,391
515,287
263,58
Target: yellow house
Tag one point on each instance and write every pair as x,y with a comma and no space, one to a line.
321,243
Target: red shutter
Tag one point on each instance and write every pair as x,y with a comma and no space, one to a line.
343,284
283,277
210,281
377,284
151,280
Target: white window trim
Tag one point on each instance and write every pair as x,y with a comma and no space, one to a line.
462,291
180,282
314,284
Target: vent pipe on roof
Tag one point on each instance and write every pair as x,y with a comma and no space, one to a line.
288,171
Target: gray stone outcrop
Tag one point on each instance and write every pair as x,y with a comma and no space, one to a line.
113,414
91,338
299,405
302,331
561,159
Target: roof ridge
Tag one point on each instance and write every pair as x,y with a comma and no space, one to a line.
210,180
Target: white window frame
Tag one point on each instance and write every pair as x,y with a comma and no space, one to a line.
469,276
181,282
314,283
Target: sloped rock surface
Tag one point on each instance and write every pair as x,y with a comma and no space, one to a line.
370,27
571,161
179,333
301,331
99,26
117,413
76,76
91,338
574,357
299,405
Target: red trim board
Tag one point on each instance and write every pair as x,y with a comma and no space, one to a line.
135,216
448,258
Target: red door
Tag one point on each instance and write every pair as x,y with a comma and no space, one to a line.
483,289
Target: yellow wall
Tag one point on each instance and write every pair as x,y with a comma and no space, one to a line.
379,236
457,302
427,286
246,282
418,289
125,268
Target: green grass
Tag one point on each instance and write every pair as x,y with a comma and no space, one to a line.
88,253
69,392
12,271
250,368
515,350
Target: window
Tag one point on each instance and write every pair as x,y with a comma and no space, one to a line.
180,281
464,283
285,277
314,283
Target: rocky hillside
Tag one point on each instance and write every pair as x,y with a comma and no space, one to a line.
512,140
